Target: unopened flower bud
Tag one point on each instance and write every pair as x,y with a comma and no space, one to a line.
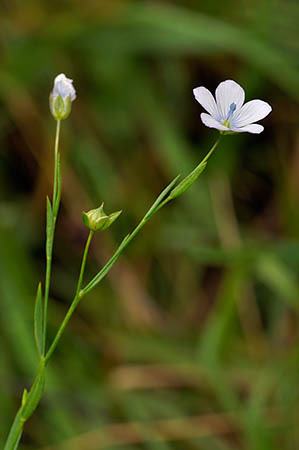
97,219
61,97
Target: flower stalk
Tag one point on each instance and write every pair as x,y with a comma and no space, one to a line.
31,400
74,303
52,211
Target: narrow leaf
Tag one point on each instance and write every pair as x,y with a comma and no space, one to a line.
187,182
15,433
153,208
38,320
102,273
24,397
49,227
34,395
19,435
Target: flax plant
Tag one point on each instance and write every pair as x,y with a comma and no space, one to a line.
227,114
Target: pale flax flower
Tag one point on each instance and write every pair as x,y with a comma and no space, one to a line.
228,113
63,86
61,97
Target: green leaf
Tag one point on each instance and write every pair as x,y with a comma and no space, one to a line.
187,182
18,440
35,394
155,206
49,227
24,397
102,273
38,320
15,433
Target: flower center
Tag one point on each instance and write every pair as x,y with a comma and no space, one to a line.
231,111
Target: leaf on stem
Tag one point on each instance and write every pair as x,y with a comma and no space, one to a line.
24,397
187,182
155,206
18,440
38,320
160,202
15,433
101,274
49,226
35,394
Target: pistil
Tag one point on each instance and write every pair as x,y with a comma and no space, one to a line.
231,111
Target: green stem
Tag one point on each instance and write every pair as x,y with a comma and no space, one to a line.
200,164
33,397
159,203
103,272
56,181
83,264
30,402
75,302
211,151
50,236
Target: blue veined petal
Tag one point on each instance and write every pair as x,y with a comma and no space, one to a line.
229,92
207,101
251,112
210,122
254,128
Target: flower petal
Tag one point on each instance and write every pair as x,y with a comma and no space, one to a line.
251,112
207,101
210,122
254,128
63,86
229,92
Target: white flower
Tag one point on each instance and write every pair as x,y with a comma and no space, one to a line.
228,113
63,86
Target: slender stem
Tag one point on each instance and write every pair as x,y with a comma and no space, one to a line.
211,151
55,187
75,302
159,203
29,403
50,236
83,264
200,164
81,293
37,388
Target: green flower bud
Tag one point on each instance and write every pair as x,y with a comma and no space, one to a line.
97,219
60,107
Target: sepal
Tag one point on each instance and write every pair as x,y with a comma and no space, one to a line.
60,107
98,220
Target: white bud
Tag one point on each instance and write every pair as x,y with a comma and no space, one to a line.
63,86
61,97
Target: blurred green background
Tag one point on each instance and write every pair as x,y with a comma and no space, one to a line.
191,342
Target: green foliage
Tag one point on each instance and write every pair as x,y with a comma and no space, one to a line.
187,182
49,227
38,320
